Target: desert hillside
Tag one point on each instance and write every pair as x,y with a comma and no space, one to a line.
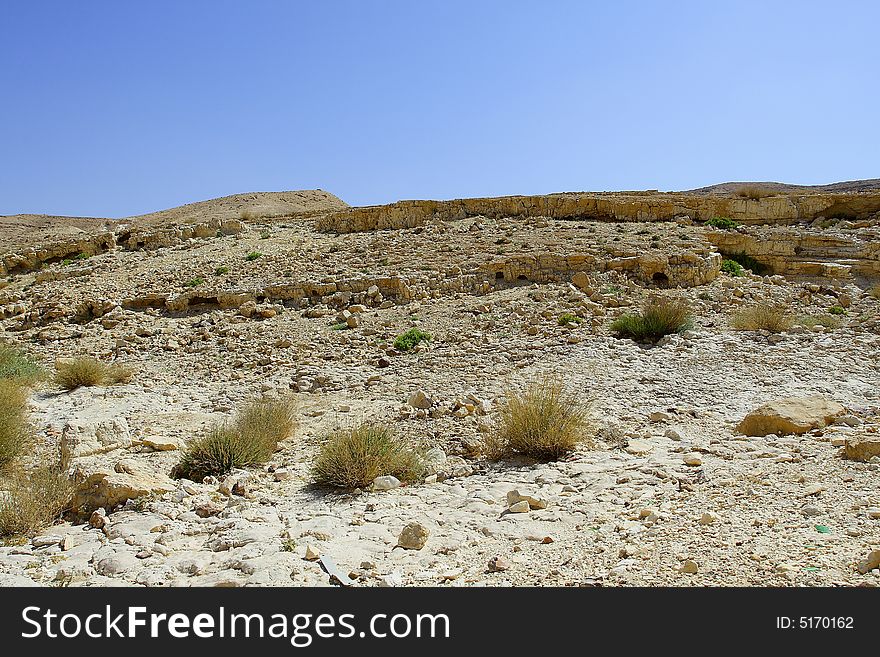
578,389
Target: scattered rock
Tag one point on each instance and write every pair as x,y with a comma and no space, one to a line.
793,415
413,537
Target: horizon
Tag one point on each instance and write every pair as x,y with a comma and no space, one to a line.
128,110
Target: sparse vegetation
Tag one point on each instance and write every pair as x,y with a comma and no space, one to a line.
353,458
763,317
410,339
754,192
748,262
223,269
247,215
723,223
253,255
657,318
732,268
545,422
251,439
568,318
15,364
837,310
14,428
265,234
81,256
195,282
828,321
339,326
34,500
86,371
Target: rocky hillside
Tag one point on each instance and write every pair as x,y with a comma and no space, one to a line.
733,441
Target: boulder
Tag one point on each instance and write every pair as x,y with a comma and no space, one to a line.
105,488
793,415
862,448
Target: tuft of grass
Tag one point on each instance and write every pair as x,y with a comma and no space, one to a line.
265,234
828,321
754,192
568,318
86,371
251,439
15,431
763,317
545,422
16,365
732,268
223,269
253,255
837,310
410,339
195,282
81,256
748,262
658,317
34,500
340,326
721,222
353,458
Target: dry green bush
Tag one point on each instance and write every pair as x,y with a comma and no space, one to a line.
14,428
14,364
544,422
353,458
828,321
763,317
251,439
658,317
34,500
87,371
754,192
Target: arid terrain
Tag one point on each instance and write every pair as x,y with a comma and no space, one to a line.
297,295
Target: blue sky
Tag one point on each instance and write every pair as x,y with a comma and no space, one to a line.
120,108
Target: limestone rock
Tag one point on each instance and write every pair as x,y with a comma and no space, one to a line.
110,488
793,415
88,437
413,537
862,448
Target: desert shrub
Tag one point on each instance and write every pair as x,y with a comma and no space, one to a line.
658,317
14,428
87,371
748,262
731,268
14,364
721,222
568,318
763,317
265,234
253,255
250,439
410,339
339,326
705,296
353,458
195,282
247,215
754,192
223,269
544,422
34,500
837,310
828,321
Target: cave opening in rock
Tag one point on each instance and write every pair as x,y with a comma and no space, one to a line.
660,279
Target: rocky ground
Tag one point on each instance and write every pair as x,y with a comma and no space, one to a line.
668,492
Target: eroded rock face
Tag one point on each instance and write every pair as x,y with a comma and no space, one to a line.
646,206
794,415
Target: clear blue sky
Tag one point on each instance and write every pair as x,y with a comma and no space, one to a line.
118,108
